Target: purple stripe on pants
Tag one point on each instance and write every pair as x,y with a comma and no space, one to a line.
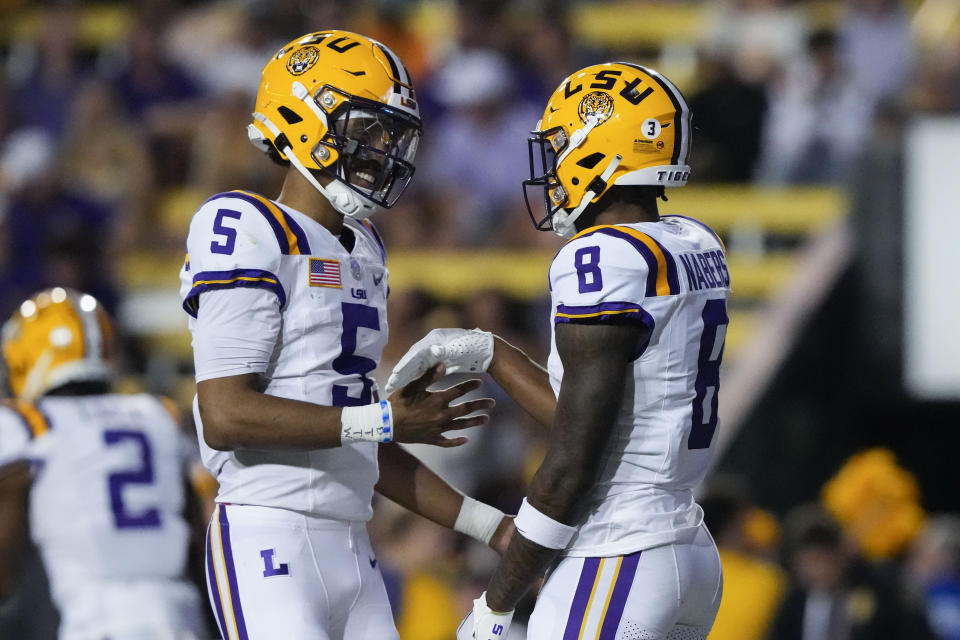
588,574
213,589
618,600
231,573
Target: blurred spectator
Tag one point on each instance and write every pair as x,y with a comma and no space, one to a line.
478,152
752,586
162,96
548,51
877,48
46,74
105,158
56,236
835,594
877,501
817,119
933,570
759,37
728,113
147,79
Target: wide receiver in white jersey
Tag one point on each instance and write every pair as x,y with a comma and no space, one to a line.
638,325
106,494
287,300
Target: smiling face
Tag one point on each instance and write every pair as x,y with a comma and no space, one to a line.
378,148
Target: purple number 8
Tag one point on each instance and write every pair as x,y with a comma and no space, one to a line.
587,261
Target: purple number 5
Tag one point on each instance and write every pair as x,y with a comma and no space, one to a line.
226,247
141,474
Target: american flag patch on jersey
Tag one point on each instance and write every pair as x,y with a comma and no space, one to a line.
324,273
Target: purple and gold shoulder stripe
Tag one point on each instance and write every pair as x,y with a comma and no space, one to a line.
662,277
603,313
214,280
290,235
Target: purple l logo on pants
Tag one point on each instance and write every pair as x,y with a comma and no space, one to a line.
270,568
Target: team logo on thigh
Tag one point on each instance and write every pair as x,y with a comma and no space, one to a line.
271,567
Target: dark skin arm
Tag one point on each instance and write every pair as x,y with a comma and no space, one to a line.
411,484
14,493
524,380
237,414
596,362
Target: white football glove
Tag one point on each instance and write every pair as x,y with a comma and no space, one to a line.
460,351
484,624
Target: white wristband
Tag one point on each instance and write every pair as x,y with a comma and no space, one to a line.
370,423
538,527
478,520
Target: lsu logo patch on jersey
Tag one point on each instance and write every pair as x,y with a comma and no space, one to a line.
325,273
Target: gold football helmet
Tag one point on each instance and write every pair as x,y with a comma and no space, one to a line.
342,104
58,336
609,124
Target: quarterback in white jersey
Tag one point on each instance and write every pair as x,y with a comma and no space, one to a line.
638,325
106,492
287,304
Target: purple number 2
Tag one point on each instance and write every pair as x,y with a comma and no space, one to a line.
141,474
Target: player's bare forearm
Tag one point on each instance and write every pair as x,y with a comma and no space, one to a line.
595,360
412,485
524,380
237,414
14,492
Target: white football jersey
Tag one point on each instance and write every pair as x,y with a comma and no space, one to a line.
671,276
107,497
334,328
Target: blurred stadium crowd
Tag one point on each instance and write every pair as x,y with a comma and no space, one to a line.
118,119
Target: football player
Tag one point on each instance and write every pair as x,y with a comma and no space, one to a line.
106,495
638,324
287,299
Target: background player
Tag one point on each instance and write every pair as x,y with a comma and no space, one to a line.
287,299
639,319
107,493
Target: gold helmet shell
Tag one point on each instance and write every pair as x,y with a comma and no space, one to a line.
341,104
58,336
609,124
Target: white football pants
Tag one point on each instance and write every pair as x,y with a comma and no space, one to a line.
133,609
274,573
670,592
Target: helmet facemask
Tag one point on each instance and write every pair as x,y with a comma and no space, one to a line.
545,147
375,146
